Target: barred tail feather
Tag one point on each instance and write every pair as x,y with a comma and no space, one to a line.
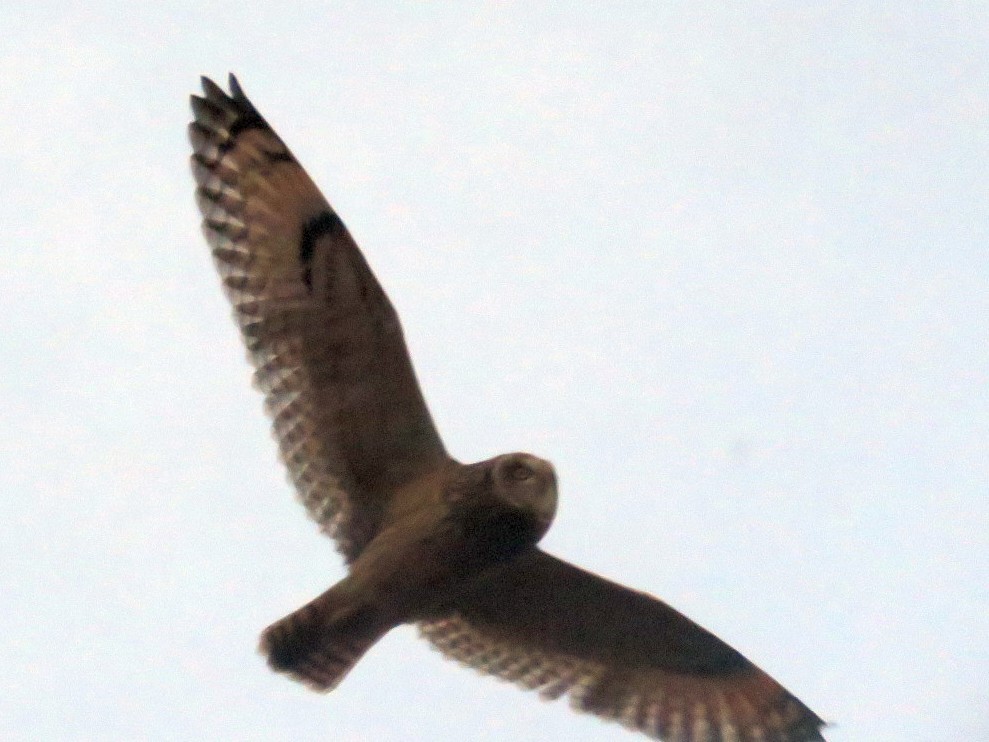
319,643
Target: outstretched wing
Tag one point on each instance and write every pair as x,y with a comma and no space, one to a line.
324,339
623,655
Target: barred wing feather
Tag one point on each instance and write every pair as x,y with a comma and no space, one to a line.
620,654
325,342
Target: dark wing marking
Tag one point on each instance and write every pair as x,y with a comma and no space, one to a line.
324,339
620,654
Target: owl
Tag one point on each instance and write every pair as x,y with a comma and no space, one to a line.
450,547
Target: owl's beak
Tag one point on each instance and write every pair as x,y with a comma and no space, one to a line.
546,506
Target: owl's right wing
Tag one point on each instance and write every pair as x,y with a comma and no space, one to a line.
325,342
620,654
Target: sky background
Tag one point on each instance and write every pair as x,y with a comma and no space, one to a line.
726,267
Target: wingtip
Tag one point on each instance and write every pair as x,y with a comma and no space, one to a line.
235,89
822,726
211,90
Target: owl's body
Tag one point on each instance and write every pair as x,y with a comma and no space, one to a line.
450,547
440,537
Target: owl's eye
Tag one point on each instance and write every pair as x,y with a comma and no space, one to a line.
520,472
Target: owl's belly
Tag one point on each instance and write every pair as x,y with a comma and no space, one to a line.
420,563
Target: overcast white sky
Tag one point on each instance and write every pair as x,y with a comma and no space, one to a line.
727,268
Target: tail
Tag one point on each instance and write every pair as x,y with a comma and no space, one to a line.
319,643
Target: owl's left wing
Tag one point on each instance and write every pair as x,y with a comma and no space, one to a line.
620,654
325,341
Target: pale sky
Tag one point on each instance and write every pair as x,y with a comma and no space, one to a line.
726,267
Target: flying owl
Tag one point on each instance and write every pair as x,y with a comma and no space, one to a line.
428,540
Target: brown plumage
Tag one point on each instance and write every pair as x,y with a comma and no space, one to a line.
429,540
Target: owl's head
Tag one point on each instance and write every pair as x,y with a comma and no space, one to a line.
528,483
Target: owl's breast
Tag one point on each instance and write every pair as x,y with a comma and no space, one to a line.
419,561
490,533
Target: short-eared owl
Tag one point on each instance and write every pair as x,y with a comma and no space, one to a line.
428,540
